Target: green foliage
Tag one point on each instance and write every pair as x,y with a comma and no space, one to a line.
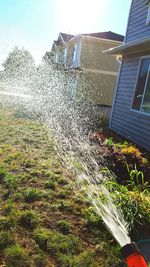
29,219
110,142
19,64
137,181
64,226
134,204
16,256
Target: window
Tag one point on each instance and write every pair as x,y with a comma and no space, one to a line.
56,57
141,101
65,55
148,14
74,53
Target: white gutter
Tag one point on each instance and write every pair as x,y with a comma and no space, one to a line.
125,48
94,38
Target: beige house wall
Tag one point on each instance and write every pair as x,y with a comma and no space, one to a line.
92,56
95,83
95,88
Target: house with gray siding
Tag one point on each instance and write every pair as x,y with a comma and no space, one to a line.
130,114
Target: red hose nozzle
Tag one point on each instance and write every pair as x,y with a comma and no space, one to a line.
132,255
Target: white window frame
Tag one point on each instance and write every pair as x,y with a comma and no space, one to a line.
148,73
74,53
148,14
65,55
56,57
132,109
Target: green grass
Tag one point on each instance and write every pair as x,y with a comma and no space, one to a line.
29,219
44,219
16,256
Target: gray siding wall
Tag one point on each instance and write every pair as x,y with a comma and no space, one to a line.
130,124
137,27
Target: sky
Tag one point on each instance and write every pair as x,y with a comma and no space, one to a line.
35,24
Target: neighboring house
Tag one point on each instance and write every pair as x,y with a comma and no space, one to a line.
130,115
91,75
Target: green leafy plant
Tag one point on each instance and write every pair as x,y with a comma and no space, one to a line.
137,181
108,141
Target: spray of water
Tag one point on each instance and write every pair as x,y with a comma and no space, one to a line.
70,123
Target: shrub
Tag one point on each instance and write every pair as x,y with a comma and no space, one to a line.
131,150
16,256
29,219
134,204
64,226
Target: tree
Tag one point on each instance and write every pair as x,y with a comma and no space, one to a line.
19,64
48,58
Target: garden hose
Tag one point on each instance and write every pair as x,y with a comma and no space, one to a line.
133,256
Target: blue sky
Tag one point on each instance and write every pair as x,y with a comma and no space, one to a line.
34,24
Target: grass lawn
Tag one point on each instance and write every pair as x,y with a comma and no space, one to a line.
45,220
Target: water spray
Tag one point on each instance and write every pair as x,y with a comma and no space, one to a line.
132,255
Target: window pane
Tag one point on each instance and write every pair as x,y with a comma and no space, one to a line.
146,101
74,53
141,83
